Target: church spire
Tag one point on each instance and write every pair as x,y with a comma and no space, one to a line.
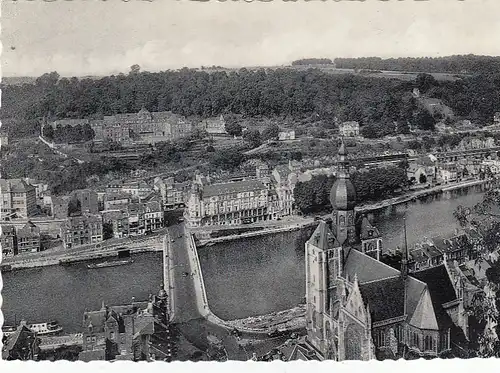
404,268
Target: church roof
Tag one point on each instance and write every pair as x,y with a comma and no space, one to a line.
441,291
343,194
424,316
385,297
365,267
323,237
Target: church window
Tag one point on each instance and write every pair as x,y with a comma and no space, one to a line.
342,220
112,336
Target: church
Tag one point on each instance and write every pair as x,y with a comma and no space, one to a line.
359,308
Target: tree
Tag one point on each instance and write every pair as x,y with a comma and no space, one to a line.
48,131
425,82
253,138
424,120
227,159
107,231
135,69
233,127
271,132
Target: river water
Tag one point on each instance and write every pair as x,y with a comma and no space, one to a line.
243,278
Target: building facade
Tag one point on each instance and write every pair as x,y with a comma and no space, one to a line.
8,240
17,199
82,230
349,129
28,239
139,331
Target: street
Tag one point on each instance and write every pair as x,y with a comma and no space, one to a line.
188,320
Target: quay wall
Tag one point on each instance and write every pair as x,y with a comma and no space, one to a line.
264,232
201,294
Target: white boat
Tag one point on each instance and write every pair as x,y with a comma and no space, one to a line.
109,264
46,328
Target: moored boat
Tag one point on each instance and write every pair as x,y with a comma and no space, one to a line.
109,264
46,328
43,328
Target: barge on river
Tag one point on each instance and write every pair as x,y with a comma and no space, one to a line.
113,263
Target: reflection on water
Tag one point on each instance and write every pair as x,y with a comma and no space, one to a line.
254,276
63,293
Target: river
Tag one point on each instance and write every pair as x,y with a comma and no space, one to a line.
243,278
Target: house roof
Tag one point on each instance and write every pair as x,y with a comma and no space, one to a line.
418,255
232,187
19,336
15,186
366,228
29,230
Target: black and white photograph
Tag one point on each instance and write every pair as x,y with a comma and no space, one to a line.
254,181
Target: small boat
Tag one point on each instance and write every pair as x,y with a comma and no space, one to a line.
46,328
8,330
106,264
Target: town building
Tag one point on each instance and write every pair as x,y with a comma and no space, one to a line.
59,206
447,173
286,135
358,308
230,203
139,331
116,200
8,240
118,221
214,126
23,344
4,140
285,178
141,127
173,195
496,118
136,189
492,165
82,230
87,200
470,142
28,239
349,129
153,216
17,199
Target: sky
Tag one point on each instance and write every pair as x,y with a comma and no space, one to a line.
96,37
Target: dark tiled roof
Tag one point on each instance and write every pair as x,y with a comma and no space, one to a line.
441,289
18,337
431,250
29,230
418,255
323,237
15,185
236,187
366,267
385,298
365,229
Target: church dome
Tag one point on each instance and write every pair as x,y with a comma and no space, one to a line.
343,193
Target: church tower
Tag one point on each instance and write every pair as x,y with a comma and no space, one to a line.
343,200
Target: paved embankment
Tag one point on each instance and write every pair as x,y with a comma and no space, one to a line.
61,257
288,228
54,342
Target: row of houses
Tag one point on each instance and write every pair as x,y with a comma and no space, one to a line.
26,239
427,170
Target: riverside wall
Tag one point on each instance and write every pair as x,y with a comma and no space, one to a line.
204,308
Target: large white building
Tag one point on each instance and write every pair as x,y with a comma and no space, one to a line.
238,202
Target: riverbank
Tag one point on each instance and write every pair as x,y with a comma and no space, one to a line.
302,223
67,259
